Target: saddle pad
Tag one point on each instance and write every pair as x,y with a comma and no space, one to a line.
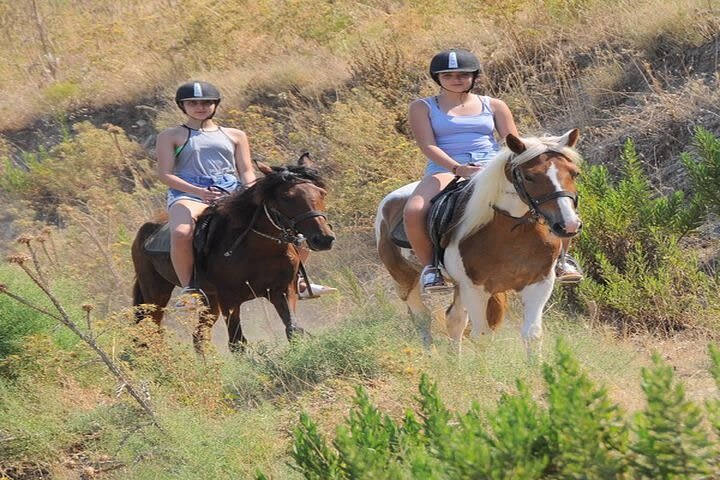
398,235
159,242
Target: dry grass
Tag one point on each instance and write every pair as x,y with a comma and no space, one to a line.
301,75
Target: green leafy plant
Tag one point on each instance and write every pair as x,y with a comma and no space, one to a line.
576,433
640,275
671,441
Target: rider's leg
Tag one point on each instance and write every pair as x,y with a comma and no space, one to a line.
415,215
182,224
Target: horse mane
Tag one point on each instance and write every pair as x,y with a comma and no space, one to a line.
488,184
241,204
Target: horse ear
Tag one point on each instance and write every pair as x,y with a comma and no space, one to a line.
264,168
305,161
515,144
570,138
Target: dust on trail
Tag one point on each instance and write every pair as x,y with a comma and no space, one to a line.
260,322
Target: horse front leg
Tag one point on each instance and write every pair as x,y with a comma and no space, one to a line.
285,307
475,298
456,320
534,297
207,318
236,337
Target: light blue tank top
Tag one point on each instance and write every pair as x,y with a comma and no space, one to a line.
466,138
205,154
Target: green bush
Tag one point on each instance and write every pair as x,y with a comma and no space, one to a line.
639,273
704,169
576,432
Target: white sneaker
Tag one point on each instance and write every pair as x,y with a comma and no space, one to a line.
432,281
567,271
317,290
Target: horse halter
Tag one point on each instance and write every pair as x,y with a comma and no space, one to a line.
518,181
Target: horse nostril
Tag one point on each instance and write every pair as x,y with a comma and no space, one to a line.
321,242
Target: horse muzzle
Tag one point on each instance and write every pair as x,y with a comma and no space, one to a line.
320,241
560,229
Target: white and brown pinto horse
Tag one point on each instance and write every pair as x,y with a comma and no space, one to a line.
506,236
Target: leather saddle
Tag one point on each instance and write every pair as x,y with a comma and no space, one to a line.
440,217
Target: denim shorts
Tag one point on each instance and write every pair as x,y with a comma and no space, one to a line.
476,158
226,181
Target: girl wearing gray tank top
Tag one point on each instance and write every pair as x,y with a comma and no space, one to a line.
200,161
193,158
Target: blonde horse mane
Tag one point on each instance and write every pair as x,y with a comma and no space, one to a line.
488,185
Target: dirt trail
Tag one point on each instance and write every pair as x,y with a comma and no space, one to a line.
260,321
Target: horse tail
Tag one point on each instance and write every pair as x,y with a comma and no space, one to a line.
496,307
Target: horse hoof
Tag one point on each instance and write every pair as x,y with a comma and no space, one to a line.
295,332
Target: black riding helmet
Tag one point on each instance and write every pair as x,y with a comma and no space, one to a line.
197,91
454,60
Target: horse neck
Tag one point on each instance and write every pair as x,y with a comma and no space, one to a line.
488,188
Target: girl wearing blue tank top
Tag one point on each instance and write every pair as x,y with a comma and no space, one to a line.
192,159
456,131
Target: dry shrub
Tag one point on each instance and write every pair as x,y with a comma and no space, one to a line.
367,158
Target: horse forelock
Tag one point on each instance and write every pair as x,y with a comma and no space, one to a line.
536,146
239,203
487,185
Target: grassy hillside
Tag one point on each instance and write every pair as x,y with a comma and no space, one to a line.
84,87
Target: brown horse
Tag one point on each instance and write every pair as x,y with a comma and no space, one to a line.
506,235
249,250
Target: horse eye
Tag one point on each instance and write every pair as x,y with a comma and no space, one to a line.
529,179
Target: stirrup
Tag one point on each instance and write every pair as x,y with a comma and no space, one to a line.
190,296
432,281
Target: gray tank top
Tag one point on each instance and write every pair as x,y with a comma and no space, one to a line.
206,154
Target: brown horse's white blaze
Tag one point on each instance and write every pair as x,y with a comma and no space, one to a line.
508,237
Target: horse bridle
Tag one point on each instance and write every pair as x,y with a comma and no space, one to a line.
286,226
518,181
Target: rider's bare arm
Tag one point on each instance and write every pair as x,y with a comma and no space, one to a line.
504,121
243,162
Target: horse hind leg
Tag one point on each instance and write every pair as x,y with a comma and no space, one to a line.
156,301
420,315
207,318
